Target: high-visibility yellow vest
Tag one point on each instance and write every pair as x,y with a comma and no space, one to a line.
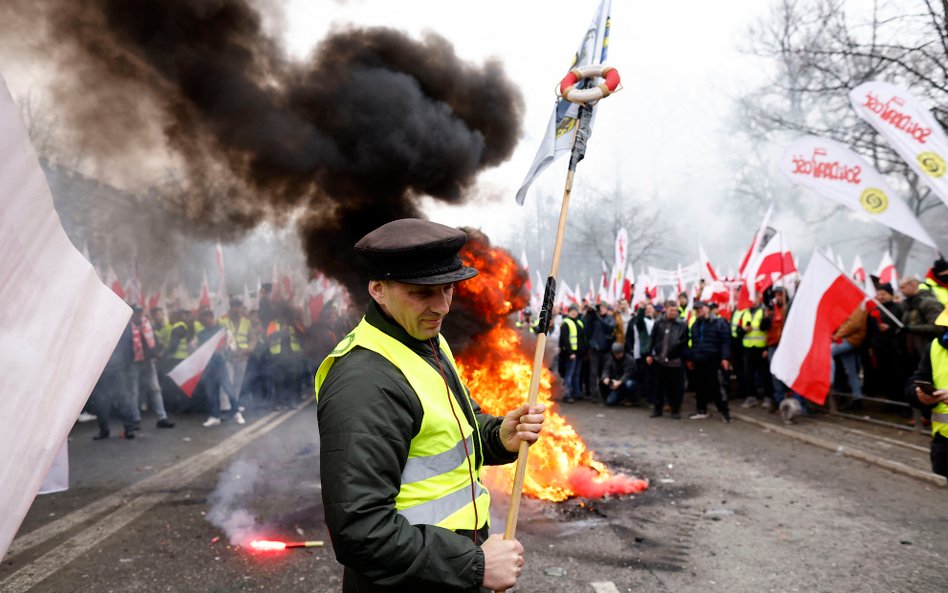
573,325
163,334
691,322
240,331
754,337
276,345
736,321
180,351
435,485
940,292
939,356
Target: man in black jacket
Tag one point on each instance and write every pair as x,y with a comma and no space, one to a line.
402,442
600,333
709,351
669,339
618,378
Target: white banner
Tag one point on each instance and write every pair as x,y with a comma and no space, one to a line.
910,129
690,273
58,325
836,172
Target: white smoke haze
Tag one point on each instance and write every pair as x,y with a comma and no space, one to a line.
271,490
235,487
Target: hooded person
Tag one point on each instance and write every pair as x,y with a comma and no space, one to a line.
402,440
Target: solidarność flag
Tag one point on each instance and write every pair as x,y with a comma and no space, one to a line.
824,300
909,128
187,374
836,172
561,130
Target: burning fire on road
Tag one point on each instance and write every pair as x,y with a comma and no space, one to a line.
496,365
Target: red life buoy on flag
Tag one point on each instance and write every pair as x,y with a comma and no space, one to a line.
610,83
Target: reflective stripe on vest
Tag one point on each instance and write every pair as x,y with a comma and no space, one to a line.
435,484
241,333
754,337
573,325
940,292
939,356
181,352
276,347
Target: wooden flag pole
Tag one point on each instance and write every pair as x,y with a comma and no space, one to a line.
546,314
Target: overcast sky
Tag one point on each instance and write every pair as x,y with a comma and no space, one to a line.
680,65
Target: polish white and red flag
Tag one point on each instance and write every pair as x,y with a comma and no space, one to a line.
221,302
133,289
111,279
628,281
886,272
859,271
622,248
526,269
760,238
204,301
187,373
706,271
824,300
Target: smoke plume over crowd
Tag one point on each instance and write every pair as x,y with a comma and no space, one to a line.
372,120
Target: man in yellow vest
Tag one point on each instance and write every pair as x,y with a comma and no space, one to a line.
928,390
240,343
936,281
402,442
756,364
572,348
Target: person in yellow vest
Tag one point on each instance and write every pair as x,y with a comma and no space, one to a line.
936,281
177,349
286,356
927,389
572,347
402,441
756,364
240,343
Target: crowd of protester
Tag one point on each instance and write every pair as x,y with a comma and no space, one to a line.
651,352
265,362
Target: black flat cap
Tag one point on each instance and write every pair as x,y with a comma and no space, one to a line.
415,251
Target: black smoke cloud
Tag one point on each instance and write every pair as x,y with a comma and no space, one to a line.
353,136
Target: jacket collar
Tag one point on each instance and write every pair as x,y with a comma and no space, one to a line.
376,317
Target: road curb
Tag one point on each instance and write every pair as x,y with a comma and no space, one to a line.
847,451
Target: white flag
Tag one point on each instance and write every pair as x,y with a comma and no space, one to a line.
836,172
561,130
58,325
910,129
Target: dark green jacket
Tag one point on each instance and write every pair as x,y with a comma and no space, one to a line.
368,415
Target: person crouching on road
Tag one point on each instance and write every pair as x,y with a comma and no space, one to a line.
618,378
402,441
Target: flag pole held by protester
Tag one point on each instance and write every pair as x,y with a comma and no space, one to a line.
568,131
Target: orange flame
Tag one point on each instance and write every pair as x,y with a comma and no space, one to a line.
497,368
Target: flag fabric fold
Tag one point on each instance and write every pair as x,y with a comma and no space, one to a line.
58,325
824,300
561,129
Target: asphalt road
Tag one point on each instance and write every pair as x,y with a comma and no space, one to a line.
731,508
